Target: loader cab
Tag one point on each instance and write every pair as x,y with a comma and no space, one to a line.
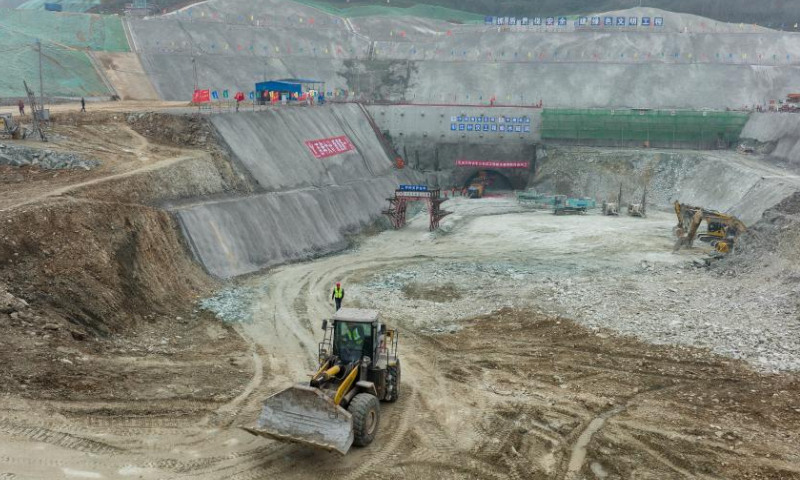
352,340
354,334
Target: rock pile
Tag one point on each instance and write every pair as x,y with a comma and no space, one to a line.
18,156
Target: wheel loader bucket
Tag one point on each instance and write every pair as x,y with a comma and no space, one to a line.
304,415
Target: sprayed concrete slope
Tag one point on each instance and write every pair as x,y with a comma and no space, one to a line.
780,131
308,204
401,58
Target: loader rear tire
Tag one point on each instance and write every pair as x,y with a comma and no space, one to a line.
366,411
393,380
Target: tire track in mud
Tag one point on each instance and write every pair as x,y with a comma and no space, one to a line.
577,458
225,415
246,463
663,460
400,423
60,439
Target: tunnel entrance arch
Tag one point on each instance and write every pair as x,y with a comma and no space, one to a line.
492,180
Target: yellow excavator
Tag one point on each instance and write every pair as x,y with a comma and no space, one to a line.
340,405
722,229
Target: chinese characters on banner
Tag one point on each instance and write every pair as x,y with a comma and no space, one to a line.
414,188
408,193
490,164
328,147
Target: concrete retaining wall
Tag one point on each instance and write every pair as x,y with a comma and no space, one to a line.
308,205
243,235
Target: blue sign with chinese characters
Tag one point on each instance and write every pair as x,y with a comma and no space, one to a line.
562,21
645,21
595,21
414,188
550,21
620,21
608,21
658,21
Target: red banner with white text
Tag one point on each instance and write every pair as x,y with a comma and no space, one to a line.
201,96
328,147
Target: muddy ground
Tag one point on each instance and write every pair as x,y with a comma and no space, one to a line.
519,359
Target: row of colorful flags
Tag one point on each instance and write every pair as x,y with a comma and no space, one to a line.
551,21
489,54
209,95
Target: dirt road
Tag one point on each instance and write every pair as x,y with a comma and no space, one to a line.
501,390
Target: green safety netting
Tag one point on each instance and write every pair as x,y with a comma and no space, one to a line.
67,5
418,10
662,126
67,69
77,30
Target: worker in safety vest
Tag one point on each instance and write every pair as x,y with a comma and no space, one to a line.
338,295
355,335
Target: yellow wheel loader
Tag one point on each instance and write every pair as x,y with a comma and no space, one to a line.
340,406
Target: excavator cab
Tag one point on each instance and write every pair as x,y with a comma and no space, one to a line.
358,367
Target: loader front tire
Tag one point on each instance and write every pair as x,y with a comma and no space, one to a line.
366,412
393,379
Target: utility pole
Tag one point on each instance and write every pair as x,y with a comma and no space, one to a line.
194,67
41,82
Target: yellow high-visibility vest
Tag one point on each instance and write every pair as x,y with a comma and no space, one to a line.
338,292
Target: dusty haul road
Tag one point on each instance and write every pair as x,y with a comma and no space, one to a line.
497,381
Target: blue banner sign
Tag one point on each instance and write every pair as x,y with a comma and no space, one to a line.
414,188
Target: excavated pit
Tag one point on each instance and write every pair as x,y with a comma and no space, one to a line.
553,344
151,302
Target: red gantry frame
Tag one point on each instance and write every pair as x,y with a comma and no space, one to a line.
398,205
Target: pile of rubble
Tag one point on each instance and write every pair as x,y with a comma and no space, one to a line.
180,130
19,156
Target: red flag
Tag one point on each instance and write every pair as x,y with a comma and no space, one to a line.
201,96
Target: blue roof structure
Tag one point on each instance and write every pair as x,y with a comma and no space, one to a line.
293,85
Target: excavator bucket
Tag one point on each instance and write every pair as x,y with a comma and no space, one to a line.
304,415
